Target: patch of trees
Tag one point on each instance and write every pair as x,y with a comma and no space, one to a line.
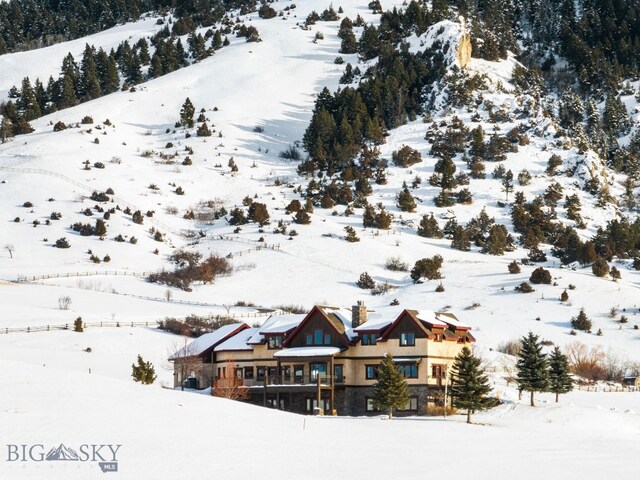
191,268
193,325
390,93
100,73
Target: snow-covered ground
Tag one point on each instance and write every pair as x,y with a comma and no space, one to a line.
48,395
171,434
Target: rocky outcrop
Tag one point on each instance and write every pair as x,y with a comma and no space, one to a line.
463,55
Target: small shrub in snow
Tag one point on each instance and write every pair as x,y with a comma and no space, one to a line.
514,267
351,235
540,275
524,287
78,326
365,281
395,264
600,268
428,268
62,243
581,321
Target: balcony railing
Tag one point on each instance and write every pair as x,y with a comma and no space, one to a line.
325,380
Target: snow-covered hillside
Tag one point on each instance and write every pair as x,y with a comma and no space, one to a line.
271,85
165,434
258,100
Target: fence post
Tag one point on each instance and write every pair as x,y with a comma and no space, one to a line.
28,329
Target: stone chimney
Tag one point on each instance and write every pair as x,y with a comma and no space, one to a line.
358,314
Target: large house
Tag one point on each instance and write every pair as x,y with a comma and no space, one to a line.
326,361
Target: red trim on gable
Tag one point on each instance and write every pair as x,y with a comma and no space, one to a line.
297,330
386,334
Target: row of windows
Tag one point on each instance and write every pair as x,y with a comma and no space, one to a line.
409,370
369,338
407,339
315,370
319,337
411,406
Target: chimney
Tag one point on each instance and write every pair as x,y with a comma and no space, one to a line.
358,314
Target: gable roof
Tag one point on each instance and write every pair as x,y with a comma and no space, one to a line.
276,324
336,317
206,342
237,342
412,314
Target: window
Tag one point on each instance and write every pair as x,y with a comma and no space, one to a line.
238,373
369,338
298,373
437,371
286,373
319,337
409,371
261,373
412,405
438,337
337,373
370,407
407,339
371,372
248,373
317,369
275,342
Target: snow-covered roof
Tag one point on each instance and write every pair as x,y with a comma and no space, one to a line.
208,340
276,324
341,317
380,318
307,352
237,342
431,318
452,320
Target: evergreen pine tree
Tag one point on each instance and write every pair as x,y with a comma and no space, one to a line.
560,380
429,227
532,367
90,84
391,390
143,372
469,384
460,239
28,105
186,113
507,184
406,202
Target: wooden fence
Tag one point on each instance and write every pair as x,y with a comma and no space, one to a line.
607,388
118,324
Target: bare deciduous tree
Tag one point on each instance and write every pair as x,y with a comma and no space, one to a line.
64,302
182,358
230,386
586,362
